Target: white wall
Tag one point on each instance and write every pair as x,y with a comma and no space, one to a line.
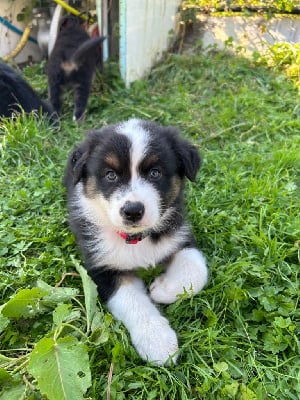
145,32
10,39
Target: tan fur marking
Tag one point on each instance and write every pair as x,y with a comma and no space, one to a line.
127,280
69,66
150,161
176,186
91,187
113,161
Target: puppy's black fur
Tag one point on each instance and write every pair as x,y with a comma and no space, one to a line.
17,95
73,61
125,186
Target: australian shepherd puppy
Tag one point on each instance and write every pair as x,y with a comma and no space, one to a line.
17,95
125,198
73,62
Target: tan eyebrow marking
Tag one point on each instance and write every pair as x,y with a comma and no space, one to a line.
151,160
112,160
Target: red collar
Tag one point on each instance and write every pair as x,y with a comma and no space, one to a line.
131,239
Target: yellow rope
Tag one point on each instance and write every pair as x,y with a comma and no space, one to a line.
21,43
28,28
72,10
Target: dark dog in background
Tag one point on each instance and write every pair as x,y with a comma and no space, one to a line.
17,95
73,61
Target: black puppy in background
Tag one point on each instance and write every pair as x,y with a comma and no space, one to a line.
73,61
17,95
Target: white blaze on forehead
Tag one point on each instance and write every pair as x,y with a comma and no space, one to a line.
139,139
138,189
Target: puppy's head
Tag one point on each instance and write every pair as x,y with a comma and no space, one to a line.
70,21
129,175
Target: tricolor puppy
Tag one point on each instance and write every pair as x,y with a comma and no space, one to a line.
125,197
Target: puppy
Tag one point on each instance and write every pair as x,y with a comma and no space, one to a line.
73,61
18,95
125,198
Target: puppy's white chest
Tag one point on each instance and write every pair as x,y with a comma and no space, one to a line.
121,255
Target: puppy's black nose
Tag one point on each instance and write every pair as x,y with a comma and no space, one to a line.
132,211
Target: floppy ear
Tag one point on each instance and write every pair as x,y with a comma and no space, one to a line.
77,161
75,168
188,157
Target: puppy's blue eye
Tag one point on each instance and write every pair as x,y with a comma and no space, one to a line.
154,173
111,176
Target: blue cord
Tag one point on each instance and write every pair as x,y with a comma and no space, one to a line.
16,30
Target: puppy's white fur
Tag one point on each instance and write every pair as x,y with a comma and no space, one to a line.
139,139
127,257
186,272
150,333
140,191
186,269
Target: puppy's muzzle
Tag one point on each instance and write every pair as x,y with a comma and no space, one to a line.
132,212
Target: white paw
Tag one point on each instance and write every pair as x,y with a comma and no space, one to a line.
187,272
165,291
155,341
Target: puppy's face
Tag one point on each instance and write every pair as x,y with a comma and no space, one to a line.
132,173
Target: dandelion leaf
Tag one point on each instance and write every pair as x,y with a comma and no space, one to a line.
61,368
26,303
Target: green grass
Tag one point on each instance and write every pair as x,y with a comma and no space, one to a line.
239,337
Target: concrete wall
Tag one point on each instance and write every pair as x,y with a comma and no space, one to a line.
252,33
146,28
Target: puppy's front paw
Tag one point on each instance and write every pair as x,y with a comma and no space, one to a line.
79,117
186,273
155,341
164,291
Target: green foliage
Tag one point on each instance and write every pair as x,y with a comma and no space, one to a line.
239,338
59,361
25,15
61,368
266,5
283,57
25,303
